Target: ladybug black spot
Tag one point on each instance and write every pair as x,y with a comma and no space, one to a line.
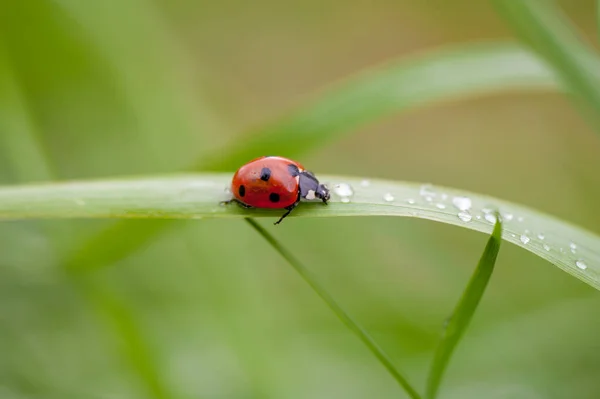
265,174
274,197
293,169
242,191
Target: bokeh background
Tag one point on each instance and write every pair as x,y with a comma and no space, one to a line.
207,309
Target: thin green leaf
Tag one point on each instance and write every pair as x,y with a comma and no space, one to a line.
20,137
134,345
196,196
549,32
464,311
337,309
397,86
158,108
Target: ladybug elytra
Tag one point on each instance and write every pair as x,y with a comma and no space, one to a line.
275,182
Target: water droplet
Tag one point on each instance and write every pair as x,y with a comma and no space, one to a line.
411,201
490,218
486,210
465,216
520,219
444,197
478,217
345,200
513,235
426,190
227,190
573,247
343,190
524,239
428,199
462,203
507,217
581,264
365,183
546,247
440,206
541,236
388,197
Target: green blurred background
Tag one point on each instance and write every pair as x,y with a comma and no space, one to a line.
106,88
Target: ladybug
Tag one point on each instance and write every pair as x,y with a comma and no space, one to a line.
275,182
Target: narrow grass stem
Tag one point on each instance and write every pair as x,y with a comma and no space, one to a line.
337,309
464,311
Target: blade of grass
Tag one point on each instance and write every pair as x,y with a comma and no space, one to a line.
549,32
463,313
20,136
169,104
394,87
337,309
31,162
399,85
134,347
196,196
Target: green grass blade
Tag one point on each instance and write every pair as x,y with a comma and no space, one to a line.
134,346
196,196
397,86
549,32
337,309
460,319
394,87
19,138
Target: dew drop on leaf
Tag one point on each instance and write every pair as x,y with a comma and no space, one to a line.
581,264
462,203
573,247
546,247
490,218
507,217
343,190
465,216
426,190
365,183
388,197
411,201
524,239
541,236
440,206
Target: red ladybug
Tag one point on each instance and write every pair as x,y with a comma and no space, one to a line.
275,182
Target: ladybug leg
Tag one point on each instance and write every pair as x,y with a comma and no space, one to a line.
289,210
237,201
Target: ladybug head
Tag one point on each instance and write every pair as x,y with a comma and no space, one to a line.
322,192
310,188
